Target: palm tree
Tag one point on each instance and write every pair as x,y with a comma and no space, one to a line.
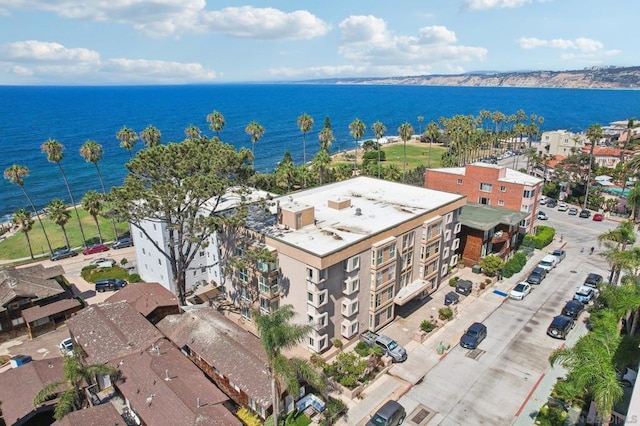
277,333
356,129
55,154
594,134
216,122
433,133
255,131
379,130
326,138
420,120
405,131
16,175
321,162
93,202
393,173
151,136
192,132
305,124
128,139
59,214
633,200
23,219
69,390
92,153
622,235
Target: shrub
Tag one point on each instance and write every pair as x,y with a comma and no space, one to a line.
135,278
337,343
316,360
514,265
543,237
335,408
362,349
427,326
487,281
248,418
491,265
445,314
551,416
453,281
123,261
347,369
483,285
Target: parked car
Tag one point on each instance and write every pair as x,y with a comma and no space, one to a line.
572,309
122,243
537,275
627,377
111,284
560,327
474,335
573,211
390,414
66,347
387,344
562,207
96,248
560,254
62,254
520,291
593,280
552,203
584,294
542,215
103,262
543,200
598,217
548,262
585,213
451,298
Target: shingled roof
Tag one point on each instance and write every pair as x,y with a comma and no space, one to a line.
484,218
145,297
34,283
103,414
165,388
111,330
233,351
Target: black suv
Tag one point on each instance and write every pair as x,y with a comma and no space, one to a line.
560,327
122,243
390,414
593,280
537,275
112,284
551,203
573,309
473,336
585,213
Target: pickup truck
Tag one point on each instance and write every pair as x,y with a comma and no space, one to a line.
389,346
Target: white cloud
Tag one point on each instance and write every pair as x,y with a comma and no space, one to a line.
494,4
47,61
161,18
581,44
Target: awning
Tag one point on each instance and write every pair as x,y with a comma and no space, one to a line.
407,293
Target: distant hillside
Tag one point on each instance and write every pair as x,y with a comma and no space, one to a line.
592,78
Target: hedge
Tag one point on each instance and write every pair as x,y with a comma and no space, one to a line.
514,265
543,237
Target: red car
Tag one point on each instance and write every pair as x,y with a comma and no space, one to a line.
96,248
598,217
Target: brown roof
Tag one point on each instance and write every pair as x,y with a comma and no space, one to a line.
19,386
145,297
40,271
23,283
111,330
605,151
230,349
104,414
164,387
36,312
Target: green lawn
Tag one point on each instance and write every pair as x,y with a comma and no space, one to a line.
16,247
417,155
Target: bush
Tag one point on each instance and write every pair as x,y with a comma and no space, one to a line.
550,416
337,343
427,326
347,369
491,265
543,237
362,349
514,265
453,281
134,278
248,418
445,314
335,408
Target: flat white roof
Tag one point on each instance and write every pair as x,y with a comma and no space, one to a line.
511,176
376,205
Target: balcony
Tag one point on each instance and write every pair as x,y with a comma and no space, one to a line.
499,237
318,322
350,286
317,299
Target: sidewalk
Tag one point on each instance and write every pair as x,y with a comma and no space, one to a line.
424,356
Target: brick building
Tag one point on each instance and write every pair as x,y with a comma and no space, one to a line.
491,185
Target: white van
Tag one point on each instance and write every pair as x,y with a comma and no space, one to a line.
548,262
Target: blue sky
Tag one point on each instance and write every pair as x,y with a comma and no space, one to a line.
66,42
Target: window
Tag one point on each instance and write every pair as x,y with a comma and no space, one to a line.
265,306
528,193
457,229
244,293
391,272
351,264
503,189
159,262
448,218
485,187
456,244
350,286
380,256
203,269
447,235
349,307
243,275
263,285
484,200
392,251
246,313
501,202
459,181
202,253
434,230
239,251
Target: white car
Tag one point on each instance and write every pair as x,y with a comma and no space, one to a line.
542,216
520,291
543,201
103,262
66,347
562,207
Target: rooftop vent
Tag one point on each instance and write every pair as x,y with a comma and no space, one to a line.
358,211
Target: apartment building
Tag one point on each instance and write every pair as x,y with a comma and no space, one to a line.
346,255
491,185
561,142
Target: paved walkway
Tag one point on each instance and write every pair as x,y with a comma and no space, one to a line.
423,356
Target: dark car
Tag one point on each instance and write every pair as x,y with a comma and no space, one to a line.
96,248
62,254
552,203
473,336
573,309
390,414
122,243
593,280
573,211
451,298
560,327
537,275
111,284
585,213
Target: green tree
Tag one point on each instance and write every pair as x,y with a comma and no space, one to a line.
59,214
392,172
16,174
433,134
405,131
93,203
181,186
128,139
420,120
491,265
69,390
55,154
620,237
379,130
24,221
633,200
326,138
151,136
356,129
321,162
255,131
216,122
278,333
305,124
285,172
192,132
594,134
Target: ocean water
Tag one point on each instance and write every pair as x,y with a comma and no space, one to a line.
73,115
